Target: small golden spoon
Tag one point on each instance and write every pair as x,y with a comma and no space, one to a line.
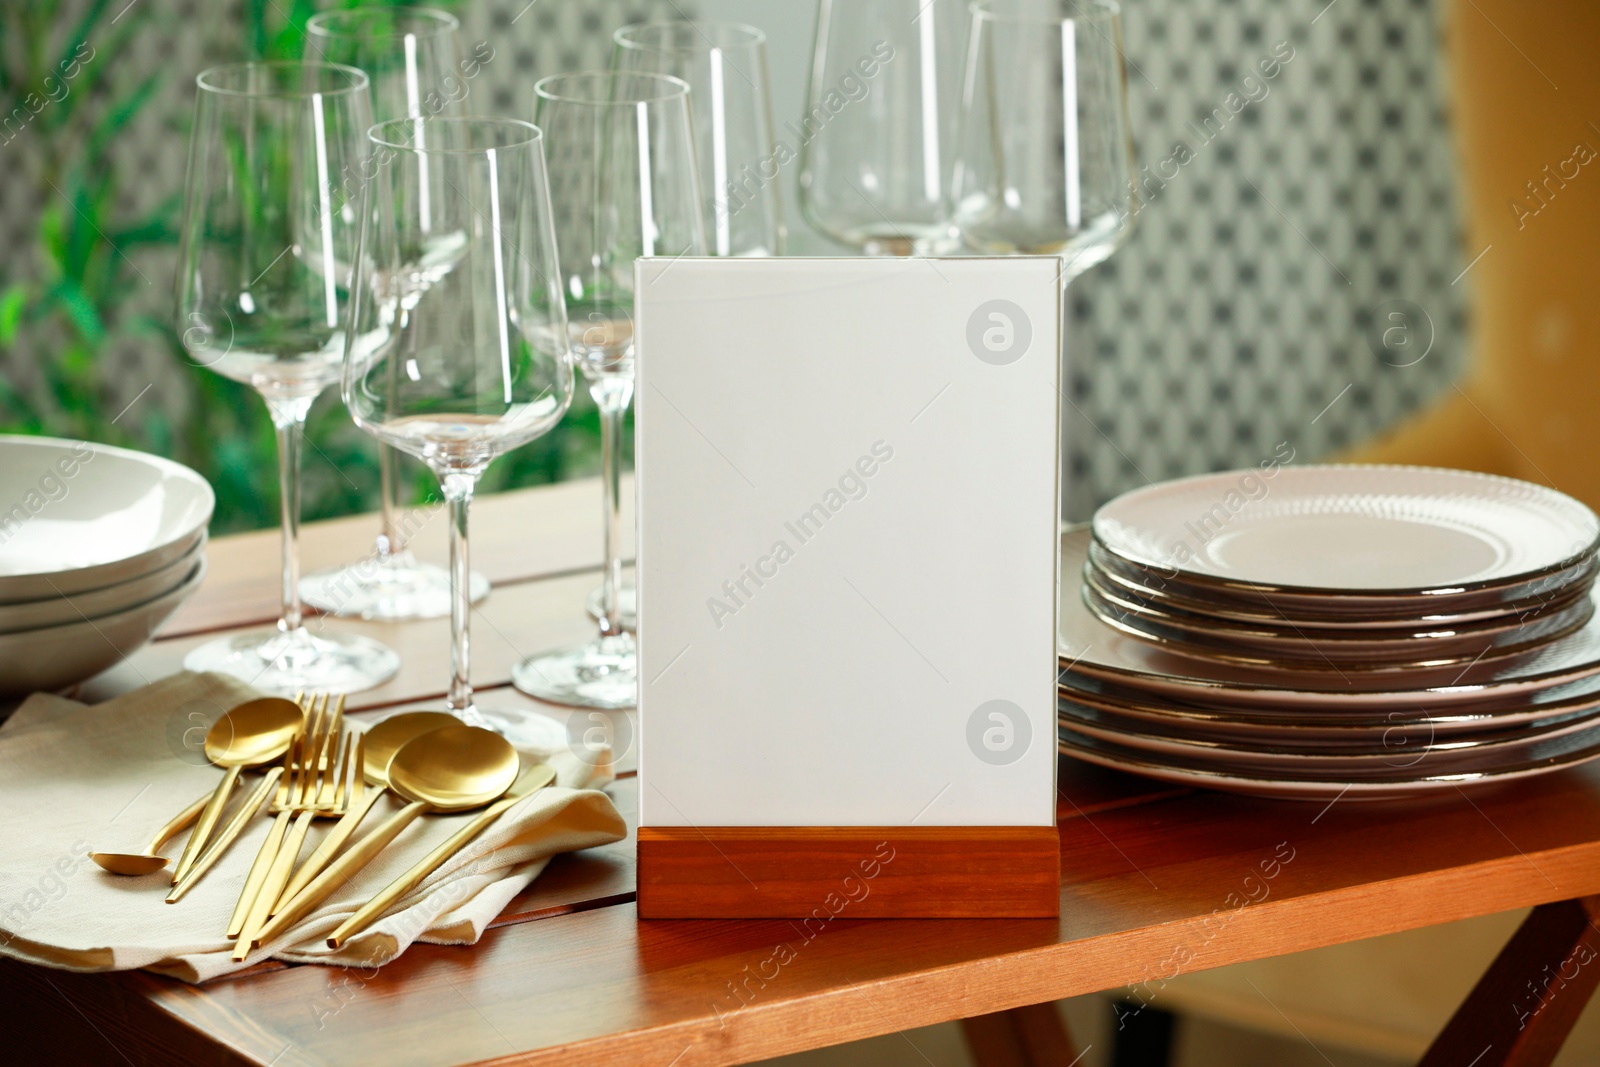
135,864
451,769
256,732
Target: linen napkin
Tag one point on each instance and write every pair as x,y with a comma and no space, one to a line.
77,778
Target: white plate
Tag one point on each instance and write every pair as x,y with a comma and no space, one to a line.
1340,643
1278,788
1088,646
1288,611
80,516
1318,653
1412,531
37,614
59,656
1320,724
1393,755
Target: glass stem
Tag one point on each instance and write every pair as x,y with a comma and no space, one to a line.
458,487
391,541
612,395
289,418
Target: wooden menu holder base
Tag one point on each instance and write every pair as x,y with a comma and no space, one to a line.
856,872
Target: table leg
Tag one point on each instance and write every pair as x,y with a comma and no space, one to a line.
1034,1036
1522,1009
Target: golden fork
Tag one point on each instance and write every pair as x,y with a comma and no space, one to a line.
299,768
322,786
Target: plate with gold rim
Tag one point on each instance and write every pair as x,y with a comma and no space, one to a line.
1376,531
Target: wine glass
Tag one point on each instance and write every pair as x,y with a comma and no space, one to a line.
624,183
262,291
1045,160
412,57
725,67
875,142
460,363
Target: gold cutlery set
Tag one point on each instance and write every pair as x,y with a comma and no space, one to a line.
316,768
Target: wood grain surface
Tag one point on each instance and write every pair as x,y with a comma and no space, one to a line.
1156,881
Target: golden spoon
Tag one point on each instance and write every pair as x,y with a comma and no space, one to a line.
380,745
255,732
135,864
388,737
451,769
536,779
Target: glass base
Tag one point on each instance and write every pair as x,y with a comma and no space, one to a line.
390,588
627,598
526,730
298,661
601,674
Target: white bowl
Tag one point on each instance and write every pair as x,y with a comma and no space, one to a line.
56,611
58,656
77,516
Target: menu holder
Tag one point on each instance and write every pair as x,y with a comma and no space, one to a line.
847,474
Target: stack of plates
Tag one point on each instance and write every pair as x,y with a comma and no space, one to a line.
1317,631
98,546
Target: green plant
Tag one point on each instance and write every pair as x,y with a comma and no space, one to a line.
63,302
89,301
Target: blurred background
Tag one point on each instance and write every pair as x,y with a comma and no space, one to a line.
1253,305
1372,258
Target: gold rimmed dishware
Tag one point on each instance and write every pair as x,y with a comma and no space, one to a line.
1443,633
1310,651
1089,648
1382,688
1281,785
1393,751
1168,589
1369,538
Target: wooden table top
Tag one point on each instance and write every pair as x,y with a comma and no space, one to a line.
1156,881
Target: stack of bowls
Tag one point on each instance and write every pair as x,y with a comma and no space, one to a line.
98,546
1317,631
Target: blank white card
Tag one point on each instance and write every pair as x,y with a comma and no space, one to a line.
847,551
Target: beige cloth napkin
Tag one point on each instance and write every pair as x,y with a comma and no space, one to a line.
76,778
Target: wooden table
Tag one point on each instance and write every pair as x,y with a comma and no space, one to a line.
1156,881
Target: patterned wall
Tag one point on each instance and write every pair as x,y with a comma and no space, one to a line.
1261,284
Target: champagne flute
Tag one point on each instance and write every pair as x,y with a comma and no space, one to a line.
262,291
412,57
473,362
1045,159
624,183
876,138
725,67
